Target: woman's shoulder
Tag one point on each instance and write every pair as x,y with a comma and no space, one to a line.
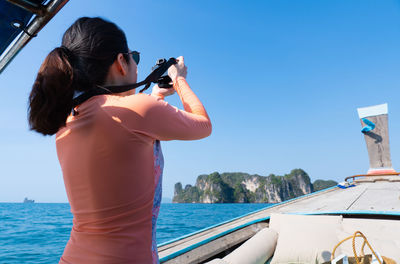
139,101
121,100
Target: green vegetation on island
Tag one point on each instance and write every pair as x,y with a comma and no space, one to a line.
239,187
322,184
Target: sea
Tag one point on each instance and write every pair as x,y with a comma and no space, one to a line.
38,232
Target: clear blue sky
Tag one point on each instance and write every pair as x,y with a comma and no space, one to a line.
281,81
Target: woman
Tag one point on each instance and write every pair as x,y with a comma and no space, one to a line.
109,149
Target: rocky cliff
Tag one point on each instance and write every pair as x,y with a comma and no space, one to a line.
245,188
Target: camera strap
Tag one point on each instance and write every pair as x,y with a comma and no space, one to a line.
99,90
154,77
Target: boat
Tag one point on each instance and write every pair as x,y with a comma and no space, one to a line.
26,200
369,202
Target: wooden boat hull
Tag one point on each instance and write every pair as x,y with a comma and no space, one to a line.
377,197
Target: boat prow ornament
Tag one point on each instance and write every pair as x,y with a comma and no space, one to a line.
374,122
375,129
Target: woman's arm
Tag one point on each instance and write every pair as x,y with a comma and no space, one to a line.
166,122
189,100
171,123
152,116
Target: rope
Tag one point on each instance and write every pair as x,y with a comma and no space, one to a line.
353,237
369,126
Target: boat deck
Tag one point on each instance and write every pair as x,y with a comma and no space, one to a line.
381,194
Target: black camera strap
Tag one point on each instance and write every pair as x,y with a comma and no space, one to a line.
99,90
154,77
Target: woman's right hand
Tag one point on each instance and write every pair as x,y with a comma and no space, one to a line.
178,70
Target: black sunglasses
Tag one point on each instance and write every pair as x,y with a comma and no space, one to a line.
135,56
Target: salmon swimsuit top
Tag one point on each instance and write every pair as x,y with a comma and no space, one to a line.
112,164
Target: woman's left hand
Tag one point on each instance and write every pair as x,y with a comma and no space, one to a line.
161,92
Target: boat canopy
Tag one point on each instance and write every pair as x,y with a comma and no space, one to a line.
20,21
13,20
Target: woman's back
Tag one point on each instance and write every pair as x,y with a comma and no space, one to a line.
111,163
109,177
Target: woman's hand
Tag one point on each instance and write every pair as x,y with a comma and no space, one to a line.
178,70
161,92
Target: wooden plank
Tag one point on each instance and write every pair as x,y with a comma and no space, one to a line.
381,196
340,200
378,142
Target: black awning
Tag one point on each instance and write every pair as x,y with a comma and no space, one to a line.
13,20
27,17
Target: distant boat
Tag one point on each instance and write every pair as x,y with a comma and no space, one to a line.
26,200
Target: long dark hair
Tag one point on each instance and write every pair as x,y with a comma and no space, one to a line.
89,48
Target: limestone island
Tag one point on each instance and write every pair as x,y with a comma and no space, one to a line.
239,187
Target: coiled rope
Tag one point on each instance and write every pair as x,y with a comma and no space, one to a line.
353,237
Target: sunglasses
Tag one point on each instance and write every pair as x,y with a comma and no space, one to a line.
135,56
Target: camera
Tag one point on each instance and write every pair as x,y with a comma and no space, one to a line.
161,67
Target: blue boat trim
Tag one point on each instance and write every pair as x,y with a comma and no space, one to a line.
233,219
209,227
205,241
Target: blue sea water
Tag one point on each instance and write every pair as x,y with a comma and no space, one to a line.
38,233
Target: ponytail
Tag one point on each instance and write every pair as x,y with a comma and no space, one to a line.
90,47
50,101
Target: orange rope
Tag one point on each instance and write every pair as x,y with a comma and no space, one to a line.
371,175
362,250
356,234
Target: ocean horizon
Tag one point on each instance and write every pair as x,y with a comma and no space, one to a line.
38,232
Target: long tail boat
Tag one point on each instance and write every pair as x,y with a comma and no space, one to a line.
369,203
